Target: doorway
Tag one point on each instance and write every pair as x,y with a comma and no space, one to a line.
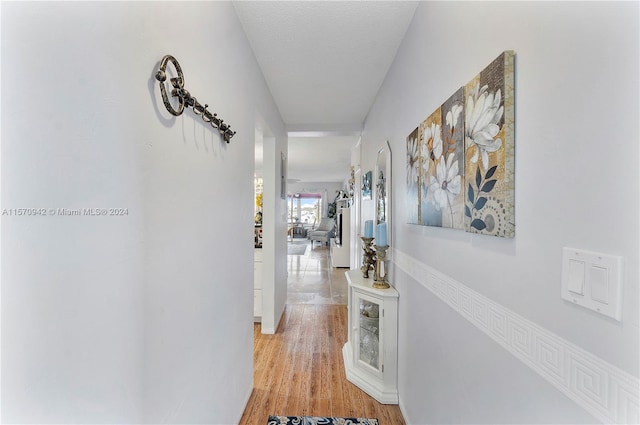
270,261
304,213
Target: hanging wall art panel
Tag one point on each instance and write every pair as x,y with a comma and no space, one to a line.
413,165
460,159
442,165
489,142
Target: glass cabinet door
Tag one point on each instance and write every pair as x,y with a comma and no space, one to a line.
369,334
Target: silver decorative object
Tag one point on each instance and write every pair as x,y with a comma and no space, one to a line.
380,276
185,99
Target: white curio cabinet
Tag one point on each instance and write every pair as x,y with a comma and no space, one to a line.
371,352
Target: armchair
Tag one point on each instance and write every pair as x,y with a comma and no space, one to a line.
323,232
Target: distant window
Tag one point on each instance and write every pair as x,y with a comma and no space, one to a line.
305,208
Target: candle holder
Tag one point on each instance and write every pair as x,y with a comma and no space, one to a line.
369,257
380,275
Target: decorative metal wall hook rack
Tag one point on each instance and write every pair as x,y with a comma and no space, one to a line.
185,99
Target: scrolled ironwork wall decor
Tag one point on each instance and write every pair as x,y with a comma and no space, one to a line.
185,99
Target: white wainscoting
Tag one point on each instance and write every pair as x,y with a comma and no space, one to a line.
607,392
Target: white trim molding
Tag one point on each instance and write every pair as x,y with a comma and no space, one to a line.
607,392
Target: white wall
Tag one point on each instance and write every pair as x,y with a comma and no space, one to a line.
144,318
274,244
577,183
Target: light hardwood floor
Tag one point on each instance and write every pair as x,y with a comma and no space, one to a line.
300,371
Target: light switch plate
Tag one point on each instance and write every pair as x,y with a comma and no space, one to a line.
593,280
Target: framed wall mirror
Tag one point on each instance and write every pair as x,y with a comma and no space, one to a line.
382,192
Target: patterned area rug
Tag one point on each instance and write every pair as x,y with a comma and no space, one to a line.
315,420
293,249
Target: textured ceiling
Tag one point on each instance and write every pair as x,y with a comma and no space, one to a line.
324,62
319,159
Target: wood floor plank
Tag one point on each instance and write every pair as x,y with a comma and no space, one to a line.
315,376
319,407
396,417
325,376
247,410
385,417
280,373
294,408
296,378
338,409
280,407
370,408
256,410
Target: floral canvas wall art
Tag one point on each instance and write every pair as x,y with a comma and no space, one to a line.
460,160
442,165
489,144
413,163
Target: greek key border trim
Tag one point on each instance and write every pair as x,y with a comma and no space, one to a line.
607,392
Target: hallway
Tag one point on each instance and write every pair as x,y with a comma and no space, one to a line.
299,370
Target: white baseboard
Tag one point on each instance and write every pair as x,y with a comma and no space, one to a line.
271,330
355,376
246,401
607,392
407,421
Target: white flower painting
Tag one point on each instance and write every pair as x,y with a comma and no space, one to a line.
413,174
460,160
412,161
453,115
442,165
483,114
489,188
445,186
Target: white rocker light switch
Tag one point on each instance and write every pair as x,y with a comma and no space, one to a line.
576,277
